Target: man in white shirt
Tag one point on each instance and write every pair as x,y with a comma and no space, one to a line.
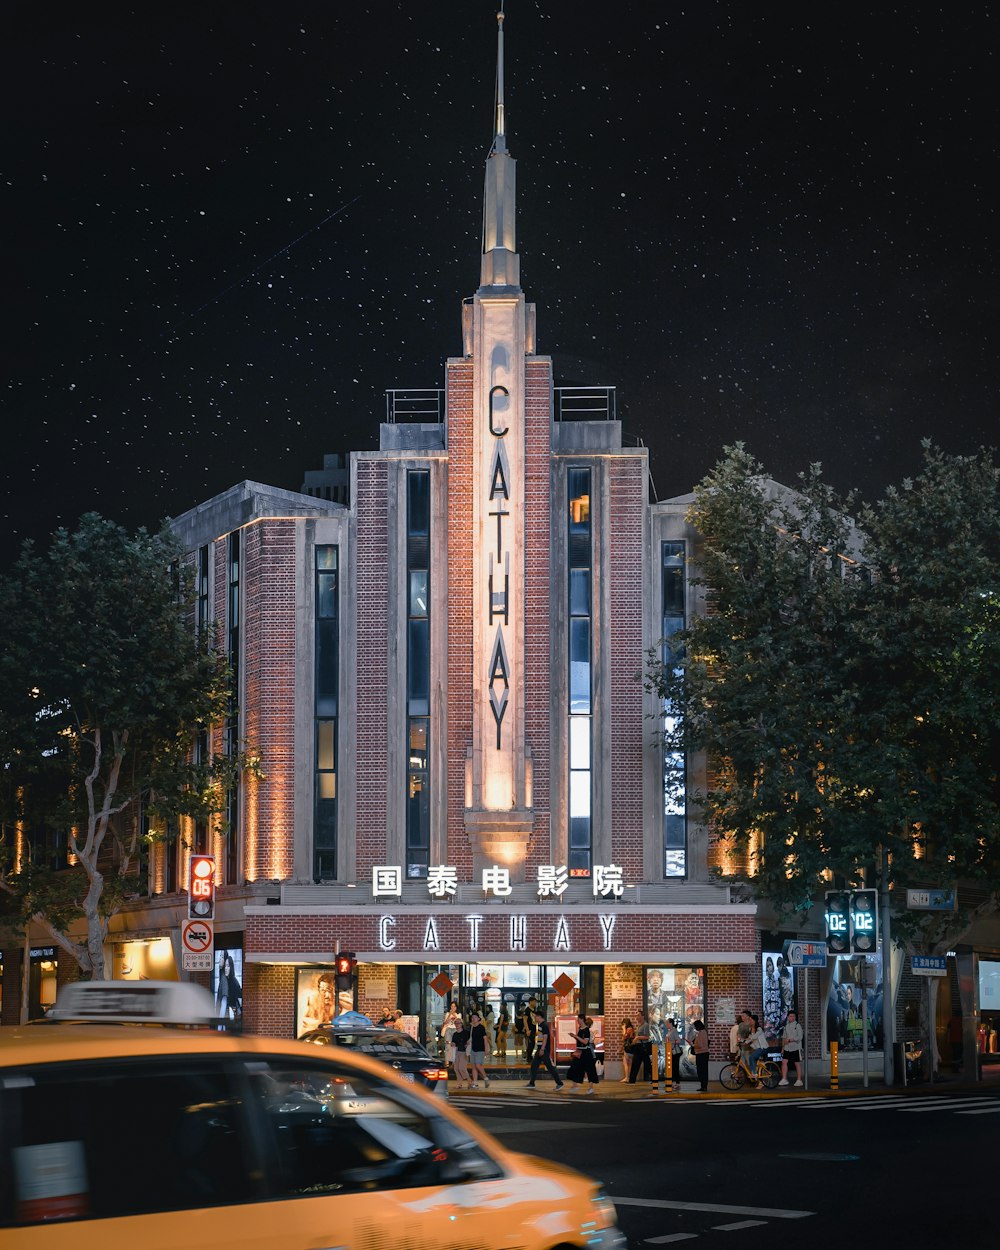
791,1049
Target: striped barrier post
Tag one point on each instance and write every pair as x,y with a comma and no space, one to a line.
834,1065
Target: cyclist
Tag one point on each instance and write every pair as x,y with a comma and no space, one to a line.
756,1046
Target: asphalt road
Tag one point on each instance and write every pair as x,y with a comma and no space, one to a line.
852,1170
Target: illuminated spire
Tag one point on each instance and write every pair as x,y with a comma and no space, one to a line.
501,265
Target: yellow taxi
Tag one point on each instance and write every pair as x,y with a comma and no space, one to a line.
160,1138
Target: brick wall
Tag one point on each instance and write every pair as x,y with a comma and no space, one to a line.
371,777
627,481
269,694
460,436
537,602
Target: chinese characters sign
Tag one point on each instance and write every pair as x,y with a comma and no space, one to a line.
552,880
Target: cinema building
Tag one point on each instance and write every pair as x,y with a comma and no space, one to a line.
441,668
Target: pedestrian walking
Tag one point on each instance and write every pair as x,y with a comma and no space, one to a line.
792,1049
583,1064
478,1042
700,1047
642,1054
544,1051
460,1043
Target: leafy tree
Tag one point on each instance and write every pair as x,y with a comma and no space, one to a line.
103,685
846,683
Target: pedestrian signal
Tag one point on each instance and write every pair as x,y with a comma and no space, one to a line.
344,969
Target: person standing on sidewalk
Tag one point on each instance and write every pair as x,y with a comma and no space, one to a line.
673,1039
460,1042
544,1050
791,1048
479,1040
699,1045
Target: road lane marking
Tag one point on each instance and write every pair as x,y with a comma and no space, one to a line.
946,1103
993,1110
717,1208
668,1237
733,1228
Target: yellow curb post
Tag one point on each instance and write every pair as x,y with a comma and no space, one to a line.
834,1065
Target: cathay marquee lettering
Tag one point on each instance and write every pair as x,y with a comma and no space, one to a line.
524,933
552,880
498,589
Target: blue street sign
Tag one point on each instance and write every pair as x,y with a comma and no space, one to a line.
930,900
929,965
806,954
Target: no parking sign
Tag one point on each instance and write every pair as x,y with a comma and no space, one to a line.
198,945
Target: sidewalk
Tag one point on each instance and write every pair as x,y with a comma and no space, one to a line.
515,1083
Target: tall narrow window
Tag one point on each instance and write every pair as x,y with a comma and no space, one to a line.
202,589
673,601
418,672
579,545
327,686
232,734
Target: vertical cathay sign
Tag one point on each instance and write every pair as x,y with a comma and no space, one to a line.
498,581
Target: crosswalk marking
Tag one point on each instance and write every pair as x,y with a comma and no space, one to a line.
911,1104
953,1103
717,1208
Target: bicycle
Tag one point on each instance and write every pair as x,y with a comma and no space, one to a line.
736,1075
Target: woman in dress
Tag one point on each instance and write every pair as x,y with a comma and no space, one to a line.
628,1041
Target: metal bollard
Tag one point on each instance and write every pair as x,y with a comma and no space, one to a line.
668,1067
834,1068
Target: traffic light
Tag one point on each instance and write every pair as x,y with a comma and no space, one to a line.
838,922
201,888
344,967
864,922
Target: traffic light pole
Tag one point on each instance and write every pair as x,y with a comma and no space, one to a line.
888,990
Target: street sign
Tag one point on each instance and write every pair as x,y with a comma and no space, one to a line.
806,954
197,945
930,900
929,965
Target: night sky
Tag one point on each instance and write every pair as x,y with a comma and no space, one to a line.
231,226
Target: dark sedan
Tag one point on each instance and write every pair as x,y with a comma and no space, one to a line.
409,1059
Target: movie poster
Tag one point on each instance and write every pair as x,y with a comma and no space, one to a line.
317,1000
778,985
227,982
844,1012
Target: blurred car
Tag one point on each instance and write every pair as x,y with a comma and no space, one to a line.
121,1137
410,1060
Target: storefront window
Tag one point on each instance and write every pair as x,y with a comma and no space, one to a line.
988,1038
42,981
147,959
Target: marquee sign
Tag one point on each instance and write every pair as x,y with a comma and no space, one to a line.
549,933
442,880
